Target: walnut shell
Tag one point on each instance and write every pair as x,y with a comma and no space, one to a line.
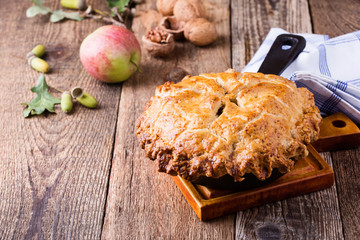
166,7
171,25
200,32
159,49
185,10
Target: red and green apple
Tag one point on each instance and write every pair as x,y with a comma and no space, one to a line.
111,54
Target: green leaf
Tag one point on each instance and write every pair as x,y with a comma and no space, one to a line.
56,16
38,2
73,15
59,15
121,4
43,100
35,10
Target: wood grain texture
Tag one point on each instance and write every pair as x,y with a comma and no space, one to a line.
337,132
309,216
346,167
310,174
142,203
252,20
335,17
54,168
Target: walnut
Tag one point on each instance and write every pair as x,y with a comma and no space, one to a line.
200,32
185,10
158,42
171,25
166,7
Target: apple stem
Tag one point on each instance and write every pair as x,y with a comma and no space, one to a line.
137,67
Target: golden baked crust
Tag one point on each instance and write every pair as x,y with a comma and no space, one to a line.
228,123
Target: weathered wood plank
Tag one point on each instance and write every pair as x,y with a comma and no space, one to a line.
335,18
311,216
305,217
54,168
142,203
346,167
252,20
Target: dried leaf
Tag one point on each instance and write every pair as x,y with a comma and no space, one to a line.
43,100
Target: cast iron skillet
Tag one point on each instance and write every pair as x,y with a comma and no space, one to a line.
284,50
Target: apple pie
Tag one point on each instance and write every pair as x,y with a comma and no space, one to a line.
228,123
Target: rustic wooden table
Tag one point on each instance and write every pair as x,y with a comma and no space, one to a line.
84,176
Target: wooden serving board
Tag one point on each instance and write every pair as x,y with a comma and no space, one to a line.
309,174
337,132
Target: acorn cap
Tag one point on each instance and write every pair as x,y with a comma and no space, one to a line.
77,92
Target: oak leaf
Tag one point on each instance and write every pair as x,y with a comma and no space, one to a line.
43,100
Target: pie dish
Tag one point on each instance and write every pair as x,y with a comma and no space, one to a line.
231,123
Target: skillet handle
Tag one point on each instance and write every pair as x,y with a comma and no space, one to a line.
284,50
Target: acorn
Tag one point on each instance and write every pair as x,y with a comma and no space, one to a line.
84,98
74,4
38,64
66,102
37,51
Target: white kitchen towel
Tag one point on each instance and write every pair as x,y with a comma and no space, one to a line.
329,68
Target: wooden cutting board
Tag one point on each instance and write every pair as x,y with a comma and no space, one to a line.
309,174
337,132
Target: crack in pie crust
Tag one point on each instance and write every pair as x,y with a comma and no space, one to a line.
228,123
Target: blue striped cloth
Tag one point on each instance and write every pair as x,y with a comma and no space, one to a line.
329,68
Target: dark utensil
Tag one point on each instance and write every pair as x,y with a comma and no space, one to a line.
284,50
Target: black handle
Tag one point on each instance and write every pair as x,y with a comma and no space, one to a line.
284,50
